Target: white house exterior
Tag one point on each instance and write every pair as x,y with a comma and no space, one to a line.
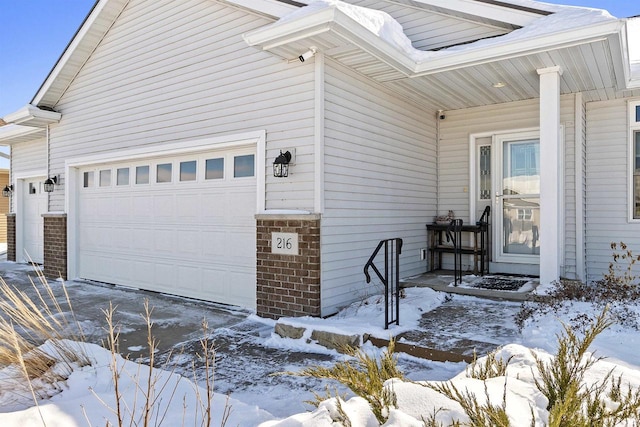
162,119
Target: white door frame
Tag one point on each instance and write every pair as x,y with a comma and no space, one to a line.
473,159
18,194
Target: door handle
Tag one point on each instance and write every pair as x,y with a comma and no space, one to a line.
498,196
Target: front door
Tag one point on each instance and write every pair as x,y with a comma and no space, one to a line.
517,198
34,204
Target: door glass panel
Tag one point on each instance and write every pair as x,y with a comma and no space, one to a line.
243,166
214,168
521,198
188,171
484,169
123,176
163,172
142,174
87,180
105,178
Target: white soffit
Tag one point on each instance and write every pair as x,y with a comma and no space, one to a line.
12,134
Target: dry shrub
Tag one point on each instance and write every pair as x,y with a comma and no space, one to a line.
619,290
26,324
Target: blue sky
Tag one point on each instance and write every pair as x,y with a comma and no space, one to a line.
34,33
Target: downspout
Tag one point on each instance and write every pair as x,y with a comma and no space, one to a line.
48,165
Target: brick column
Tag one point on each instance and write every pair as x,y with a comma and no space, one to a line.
55,245
288,285
11,237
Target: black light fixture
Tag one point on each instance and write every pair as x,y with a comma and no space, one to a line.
50,183
281,165
7,191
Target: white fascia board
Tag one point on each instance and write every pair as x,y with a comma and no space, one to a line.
495,12
10,134
273,8
30,112
520,47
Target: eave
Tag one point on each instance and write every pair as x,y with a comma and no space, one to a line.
33,116
13,134
591,55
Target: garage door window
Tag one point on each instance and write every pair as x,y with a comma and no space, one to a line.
243,166
214,168
163,172
87,179
123,176
105,178
188,171
142,174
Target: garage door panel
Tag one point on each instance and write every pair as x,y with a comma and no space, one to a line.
195,239
142,206
189,243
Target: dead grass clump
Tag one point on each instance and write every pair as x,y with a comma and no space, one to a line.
41,337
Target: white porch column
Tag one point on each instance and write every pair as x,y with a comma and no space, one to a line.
549,174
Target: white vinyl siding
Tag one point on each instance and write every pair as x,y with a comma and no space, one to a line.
177,71
607,197
453,159
27,157
379,182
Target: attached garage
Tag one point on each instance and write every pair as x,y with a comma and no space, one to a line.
181,224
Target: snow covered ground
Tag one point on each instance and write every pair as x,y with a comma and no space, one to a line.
87,397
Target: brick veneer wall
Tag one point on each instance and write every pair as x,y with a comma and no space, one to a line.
55,245
288,285
11,237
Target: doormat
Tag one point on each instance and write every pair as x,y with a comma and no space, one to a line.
499,283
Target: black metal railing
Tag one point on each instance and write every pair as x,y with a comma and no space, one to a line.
390,279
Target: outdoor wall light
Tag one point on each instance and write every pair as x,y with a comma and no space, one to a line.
7,191
50,184
281,165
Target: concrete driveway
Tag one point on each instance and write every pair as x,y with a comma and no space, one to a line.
246,353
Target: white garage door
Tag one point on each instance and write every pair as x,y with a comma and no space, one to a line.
180,225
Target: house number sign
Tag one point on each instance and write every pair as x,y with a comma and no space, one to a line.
284,243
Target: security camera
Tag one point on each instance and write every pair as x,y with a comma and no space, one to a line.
441,115
308,54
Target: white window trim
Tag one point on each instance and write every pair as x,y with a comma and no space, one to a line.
633,126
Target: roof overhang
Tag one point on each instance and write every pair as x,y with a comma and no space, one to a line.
33,116
593,54
13,134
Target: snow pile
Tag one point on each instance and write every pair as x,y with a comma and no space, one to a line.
416,401
87,398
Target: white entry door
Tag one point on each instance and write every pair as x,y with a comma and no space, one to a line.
34,204
517,201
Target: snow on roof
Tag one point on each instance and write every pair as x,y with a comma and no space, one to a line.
388,29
